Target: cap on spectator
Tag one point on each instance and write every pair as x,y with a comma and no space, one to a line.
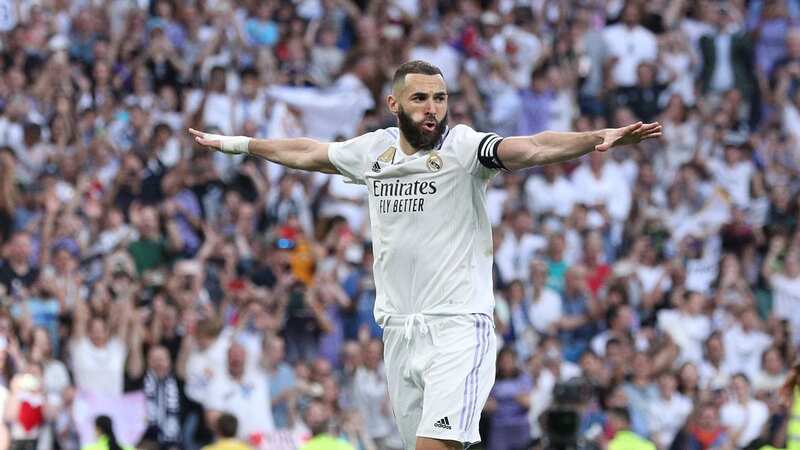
69,245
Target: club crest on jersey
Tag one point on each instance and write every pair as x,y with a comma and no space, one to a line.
388,155
434,162
376,167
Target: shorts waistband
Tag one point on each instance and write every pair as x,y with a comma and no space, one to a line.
399,320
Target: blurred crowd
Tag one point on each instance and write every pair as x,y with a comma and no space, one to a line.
666,275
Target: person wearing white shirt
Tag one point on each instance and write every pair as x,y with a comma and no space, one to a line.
772,375
619,319
243,392
519,247
546,371
651,273
545,308
99,357
215,106
431,48
347,200
251,104
785,285
550,193
370,394
202,358
601,182
714,370
745,343
743,414
629,44
668,411
733,174
688,326
520,48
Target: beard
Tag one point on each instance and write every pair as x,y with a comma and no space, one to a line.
416,134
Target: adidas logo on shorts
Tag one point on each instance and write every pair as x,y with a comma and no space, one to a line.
443,423
376,167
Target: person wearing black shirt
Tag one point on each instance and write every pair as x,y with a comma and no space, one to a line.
16,272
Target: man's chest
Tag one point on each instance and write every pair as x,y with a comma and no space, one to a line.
430,183
246,392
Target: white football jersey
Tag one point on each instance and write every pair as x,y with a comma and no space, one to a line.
432,238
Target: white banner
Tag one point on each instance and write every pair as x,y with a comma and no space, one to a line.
127,412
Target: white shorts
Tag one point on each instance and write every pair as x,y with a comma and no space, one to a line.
440,378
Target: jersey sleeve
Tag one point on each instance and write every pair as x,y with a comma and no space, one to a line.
477,151
349,156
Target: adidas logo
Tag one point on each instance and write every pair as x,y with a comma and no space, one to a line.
443,423
376,167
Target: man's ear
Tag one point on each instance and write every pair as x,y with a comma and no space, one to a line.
393,104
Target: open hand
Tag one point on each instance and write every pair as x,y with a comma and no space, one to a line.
233,145
632,134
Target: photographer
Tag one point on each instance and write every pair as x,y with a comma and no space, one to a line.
623,438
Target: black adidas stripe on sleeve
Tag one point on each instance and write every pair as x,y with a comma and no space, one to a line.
487,152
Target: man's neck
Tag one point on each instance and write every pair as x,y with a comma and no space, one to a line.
405,146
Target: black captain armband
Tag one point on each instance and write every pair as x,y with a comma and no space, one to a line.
487,152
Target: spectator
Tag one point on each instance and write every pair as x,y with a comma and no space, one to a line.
668,412
518,247
316,419
575,325
628,44
784,284
242,391
508,404
281,380
742,414
106,438
623,438
687,326
715,371
641,392
703,431
745,343
163,395
371,396
98,356
226,430
772,374
727,55
18,273
545,308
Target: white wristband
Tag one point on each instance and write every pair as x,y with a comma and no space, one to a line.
234,145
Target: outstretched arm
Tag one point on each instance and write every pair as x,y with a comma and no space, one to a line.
299,153
551,147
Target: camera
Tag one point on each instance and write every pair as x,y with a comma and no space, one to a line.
562,421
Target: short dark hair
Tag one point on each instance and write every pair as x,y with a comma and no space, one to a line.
417,66
620,413
227,425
